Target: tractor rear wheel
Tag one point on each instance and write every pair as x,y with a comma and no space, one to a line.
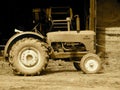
28,56
90,63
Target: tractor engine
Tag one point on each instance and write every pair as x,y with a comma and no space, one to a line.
68,46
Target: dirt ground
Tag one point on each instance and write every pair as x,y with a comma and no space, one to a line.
59,75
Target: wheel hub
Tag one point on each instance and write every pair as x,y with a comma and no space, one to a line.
29,58
91,65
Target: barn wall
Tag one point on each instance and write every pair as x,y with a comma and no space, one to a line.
108,32
108,13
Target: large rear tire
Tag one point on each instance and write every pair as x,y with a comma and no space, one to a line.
28,56
90,63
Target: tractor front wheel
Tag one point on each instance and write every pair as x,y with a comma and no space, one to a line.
77,66
90,63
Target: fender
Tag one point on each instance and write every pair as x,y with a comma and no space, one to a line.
19,36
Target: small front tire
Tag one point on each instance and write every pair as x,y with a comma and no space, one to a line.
77,66
90,63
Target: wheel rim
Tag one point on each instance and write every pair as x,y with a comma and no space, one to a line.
91,65
29,57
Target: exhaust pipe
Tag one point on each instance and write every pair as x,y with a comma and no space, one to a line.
77,23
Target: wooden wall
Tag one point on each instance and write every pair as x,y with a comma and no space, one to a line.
108,32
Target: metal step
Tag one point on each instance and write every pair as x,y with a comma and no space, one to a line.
62,27
59,23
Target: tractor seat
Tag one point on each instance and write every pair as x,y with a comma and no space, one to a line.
60,17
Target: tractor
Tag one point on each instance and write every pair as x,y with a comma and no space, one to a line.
56,36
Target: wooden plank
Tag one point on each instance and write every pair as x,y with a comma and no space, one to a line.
92,18
108,39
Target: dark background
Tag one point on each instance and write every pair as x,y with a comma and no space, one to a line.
18,14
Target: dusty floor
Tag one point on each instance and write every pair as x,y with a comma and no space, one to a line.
59,75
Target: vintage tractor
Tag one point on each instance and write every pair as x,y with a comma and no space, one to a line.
56,37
